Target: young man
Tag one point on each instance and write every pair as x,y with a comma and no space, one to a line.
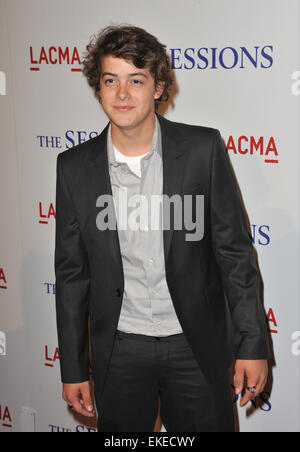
167,313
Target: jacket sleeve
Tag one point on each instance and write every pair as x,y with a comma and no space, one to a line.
72,287
233,248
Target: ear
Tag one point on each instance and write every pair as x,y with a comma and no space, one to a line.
159,89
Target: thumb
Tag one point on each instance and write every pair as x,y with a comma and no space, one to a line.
239,380
86,397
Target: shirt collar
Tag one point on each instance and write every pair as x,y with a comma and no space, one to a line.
155,146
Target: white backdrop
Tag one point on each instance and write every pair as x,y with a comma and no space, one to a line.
237,69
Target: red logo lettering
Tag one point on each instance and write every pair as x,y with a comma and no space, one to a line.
46,216
51,360
2,279
254,146
271,319
52,56
5,417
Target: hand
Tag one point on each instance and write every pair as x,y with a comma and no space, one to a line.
256,373
78,396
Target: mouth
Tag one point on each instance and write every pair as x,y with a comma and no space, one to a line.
123,108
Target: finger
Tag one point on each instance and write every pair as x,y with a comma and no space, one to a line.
239,381
248,394
87,399
79,408
65,398
246,398
264,383
261,386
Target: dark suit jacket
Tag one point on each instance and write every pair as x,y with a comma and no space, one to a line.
214,282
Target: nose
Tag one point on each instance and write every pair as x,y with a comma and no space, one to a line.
122,93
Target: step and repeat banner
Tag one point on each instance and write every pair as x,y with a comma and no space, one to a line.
237,69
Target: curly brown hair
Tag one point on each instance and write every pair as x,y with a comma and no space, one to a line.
133,44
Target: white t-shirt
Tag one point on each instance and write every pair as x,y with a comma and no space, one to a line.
134,163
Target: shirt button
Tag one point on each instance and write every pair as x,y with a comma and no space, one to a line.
154,292
150,261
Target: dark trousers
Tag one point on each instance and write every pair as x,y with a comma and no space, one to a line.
143,369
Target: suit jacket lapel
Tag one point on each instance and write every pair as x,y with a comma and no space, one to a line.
100,181
173,156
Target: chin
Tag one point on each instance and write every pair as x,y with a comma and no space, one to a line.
123,122
127,121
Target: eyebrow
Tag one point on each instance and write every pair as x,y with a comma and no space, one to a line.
130,75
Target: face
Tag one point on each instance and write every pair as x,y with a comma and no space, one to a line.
127,93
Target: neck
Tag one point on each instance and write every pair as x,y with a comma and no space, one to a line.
134,141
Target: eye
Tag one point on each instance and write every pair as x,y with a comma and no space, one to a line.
109,81
137,82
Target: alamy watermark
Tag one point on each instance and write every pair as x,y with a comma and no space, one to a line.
2,84
296,343
2,344
154,213
296,83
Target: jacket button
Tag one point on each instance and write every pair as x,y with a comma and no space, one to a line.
118,292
